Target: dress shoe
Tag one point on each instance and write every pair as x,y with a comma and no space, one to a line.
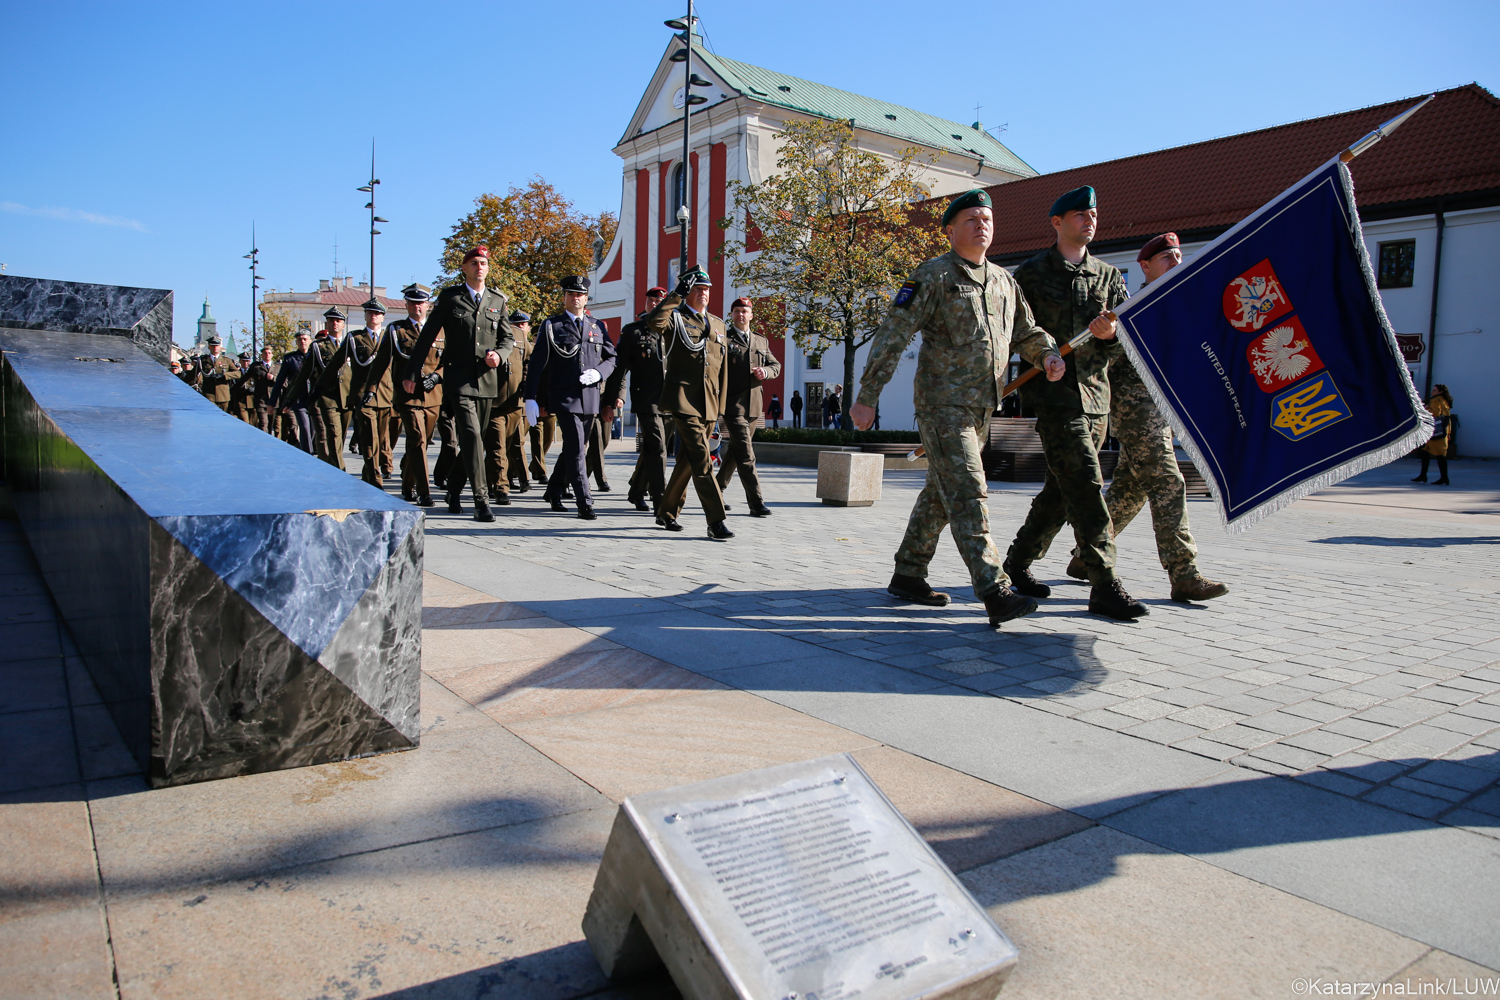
1197,588
1441,482
640,505
1077,570
408,494
761,511
558,505
500,499
568,494
603,487
916,590
1023,582
425,501
1004,604
670,523
1111,601
454,507
1420,479
587,514
720,531
523,485
482,511
726,508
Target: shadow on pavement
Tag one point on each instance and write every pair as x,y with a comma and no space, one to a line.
1418,543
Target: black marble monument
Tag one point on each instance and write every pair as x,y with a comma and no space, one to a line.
241,605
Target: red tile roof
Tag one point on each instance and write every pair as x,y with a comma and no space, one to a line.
1449,148
354,297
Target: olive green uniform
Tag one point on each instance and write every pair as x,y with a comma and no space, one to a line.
744,408
694,389
373,394
419,411
217,379
1073,412
972,318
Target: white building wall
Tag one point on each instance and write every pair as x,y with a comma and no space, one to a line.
1467,349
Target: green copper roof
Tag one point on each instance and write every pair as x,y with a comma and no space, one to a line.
868,113
205,315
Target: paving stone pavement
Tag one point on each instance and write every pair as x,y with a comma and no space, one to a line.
1358,649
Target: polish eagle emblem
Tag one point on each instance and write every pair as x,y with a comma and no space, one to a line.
1282,355
1255,298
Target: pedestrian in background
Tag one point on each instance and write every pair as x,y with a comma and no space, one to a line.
773,411
1441,408
796,404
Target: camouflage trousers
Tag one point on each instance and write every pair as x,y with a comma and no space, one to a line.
1072,493
1148,473
954,497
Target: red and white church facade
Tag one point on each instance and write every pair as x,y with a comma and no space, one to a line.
733,139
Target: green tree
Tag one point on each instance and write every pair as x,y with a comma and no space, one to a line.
277,330
837,229
535,237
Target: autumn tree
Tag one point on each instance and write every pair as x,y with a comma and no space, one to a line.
535,237
837,229
278,330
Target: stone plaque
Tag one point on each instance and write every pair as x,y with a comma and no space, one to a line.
798,882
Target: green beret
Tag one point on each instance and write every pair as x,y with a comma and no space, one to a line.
1075,200
977,198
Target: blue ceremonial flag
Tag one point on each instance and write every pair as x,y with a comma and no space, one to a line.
1271,355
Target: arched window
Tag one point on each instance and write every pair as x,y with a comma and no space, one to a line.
678,191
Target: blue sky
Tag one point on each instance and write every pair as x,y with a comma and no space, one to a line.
143,140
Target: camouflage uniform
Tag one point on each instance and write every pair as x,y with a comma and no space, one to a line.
967,314
1148,472
1071,412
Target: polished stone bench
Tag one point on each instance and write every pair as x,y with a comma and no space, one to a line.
241,606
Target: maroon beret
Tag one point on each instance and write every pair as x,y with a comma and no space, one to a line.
743,300
1166,241
656,290
479,251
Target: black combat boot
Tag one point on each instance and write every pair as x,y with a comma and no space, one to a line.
719,530
1023,582
670,523
454,507
641,505
1111,601
587,514
916,590
1004,604
424,500
482,510
760,510
501,499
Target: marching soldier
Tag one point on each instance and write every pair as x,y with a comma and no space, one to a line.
419,410
327,371
264,372
478,340
750,363
695,385
1148,471
972,318
640,357
542,432
371,392
507,420
515,444
242,393
1067,289
289,407
572,358
217,373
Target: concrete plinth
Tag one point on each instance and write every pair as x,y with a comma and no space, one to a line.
849,479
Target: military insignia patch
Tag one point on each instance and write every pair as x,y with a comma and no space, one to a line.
906,294
1307,408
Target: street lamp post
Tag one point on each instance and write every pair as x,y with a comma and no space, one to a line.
370,189
689,81
254,258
